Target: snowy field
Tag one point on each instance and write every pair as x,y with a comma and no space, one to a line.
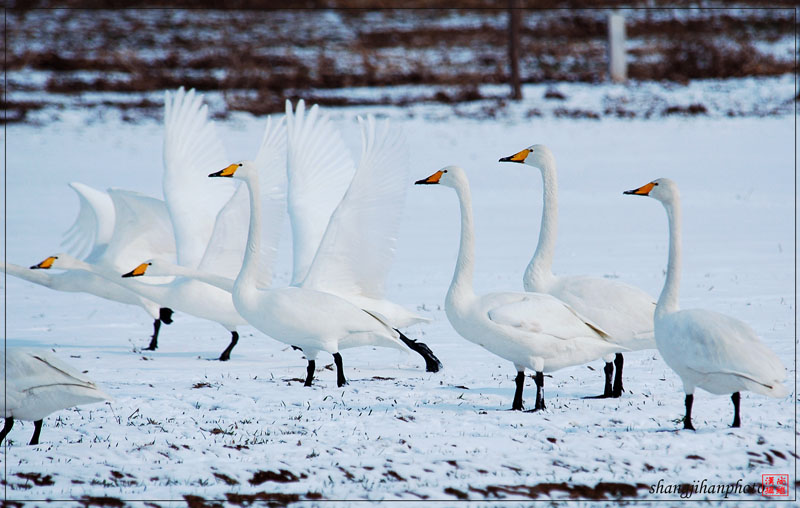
183,425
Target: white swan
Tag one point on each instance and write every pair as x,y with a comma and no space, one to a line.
301,316
624,312
706,349
531,330
36,383
206,219
93,231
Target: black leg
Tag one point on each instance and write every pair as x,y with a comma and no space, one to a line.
736,421
226,355
165,315
6,428
539,392
310,372
608,370
687,420
432,364
340,380
618,361
520,381
37,429
154,338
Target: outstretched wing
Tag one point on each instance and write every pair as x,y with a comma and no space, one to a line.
142,231
192,150
91,231
319,169
225,252
359,244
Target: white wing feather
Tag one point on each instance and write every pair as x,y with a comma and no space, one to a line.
39,383
192,150
319,169
541,313
142,231
357,250
91,231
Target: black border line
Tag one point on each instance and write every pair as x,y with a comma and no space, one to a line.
551,500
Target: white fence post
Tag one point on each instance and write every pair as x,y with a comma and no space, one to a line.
617,65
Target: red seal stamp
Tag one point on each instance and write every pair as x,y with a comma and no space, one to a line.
775,485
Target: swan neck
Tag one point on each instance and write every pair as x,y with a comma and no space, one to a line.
249,271
668,301
540,270
461,285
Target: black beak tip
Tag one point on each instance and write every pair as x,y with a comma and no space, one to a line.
35,267
633,192
218,173
126,275
504,159
421,182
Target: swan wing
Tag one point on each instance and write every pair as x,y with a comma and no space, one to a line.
358,247
192,150
142,231
39,383
710,342
540,313
319,168
624,311
226,249
91,231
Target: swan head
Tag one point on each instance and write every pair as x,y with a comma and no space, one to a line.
59,261
239,170
155,267
449,176
663,189
538,156
139,270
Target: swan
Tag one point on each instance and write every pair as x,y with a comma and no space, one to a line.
36,383
302,315
92,232
204,219
532,330
706,349
624,312
350,253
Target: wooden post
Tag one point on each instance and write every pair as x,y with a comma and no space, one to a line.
514,15
617,65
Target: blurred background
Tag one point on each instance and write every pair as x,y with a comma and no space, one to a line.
328,51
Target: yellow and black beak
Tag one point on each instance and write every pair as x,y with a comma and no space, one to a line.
136,272
517,157
644,190
46,264
228,171
434,178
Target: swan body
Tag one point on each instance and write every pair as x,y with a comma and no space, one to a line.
36,383
624,312
532,330
706,349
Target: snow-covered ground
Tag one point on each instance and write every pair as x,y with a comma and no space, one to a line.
182,424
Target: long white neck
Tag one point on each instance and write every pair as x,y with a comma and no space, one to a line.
219,281
540,270
461,285
668,301
245,281
35,276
